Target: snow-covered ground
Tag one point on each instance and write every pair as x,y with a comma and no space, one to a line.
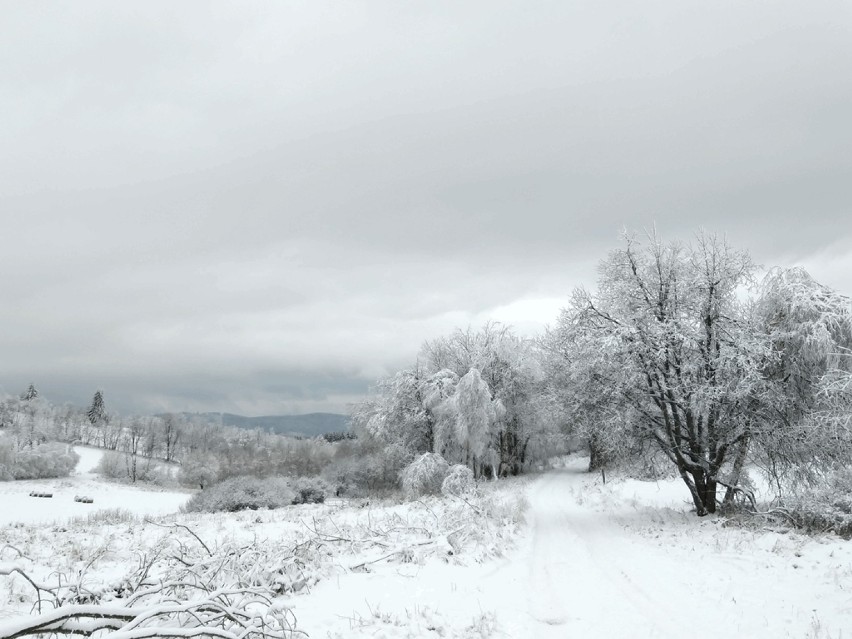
622,560
17,507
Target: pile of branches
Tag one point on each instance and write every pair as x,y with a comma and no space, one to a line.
458,528
183,589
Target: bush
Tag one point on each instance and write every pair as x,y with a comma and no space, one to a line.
199,471
242,493
458,482
309,490
45,461
112,465
826,508
424,475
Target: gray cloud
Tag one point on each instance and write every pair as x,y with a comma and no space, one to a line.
261,208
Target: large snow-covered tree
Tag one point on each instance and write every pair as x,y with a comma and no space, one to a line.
399,412
671,350
470,416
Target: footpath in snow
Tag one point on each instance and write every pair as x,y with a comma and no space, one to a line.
622,560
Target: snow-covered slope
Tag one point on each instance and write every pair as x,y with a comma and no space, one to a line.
16,505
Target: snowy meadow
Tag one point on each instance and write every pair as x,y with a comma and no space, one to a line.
555,554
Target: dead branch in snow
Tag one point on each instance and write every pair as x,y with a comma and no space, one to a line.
232,592
184,527
228,614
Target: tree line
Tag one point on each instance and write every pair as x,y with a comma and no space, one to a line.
685,354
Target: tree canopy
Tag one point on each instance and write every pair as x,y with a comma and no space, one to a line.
676,349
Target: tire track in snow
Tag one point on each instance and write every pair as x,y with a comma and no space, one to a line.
583,579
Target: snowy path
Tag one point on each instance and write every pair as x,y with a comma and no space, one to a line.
584,576
598,562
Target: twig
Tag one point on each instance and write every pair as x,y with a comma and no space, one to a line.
186,528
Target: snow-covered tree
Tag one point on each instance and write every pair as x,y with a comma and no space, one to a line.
172,425
397,413
30,393
684,360
668,341
97,411
512,369
470,416
417,408
806,424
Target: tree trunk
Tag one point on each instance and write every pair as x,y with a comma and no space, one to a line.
703,489
700,509
737,472
597,459
710,495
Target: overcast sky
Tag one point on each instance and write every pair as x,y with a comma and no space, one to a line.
262,207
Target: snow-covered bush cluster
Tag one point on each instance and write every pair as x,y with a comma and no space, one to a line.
826,507
459,482
254,493
41,462
309,490
243,493
424,475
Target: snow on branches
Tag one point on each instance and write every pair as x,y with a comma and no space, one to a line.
178,590
671,351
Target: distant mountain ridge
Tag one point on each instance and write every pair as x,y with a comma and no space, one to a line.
308,425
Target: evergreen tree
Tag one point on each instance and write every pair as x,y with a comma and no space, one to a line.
97,412
30,393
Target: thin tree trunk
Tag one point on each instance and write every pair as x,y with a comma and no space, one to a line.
736,473
710,495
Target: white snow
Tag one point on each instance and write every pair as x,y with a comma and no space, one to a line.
625,559
17,507
622,560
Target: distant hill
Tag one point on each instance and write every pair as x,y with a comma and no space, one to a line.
309,425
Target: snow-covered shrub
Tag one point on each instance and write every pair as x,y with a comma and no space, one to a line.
825,508
242,493
124,466
458,482
112,465
198,471
424,475
161,474
44,461
309,490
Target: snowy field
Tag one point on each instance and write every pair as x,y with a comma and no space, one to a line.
622,560
19,508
